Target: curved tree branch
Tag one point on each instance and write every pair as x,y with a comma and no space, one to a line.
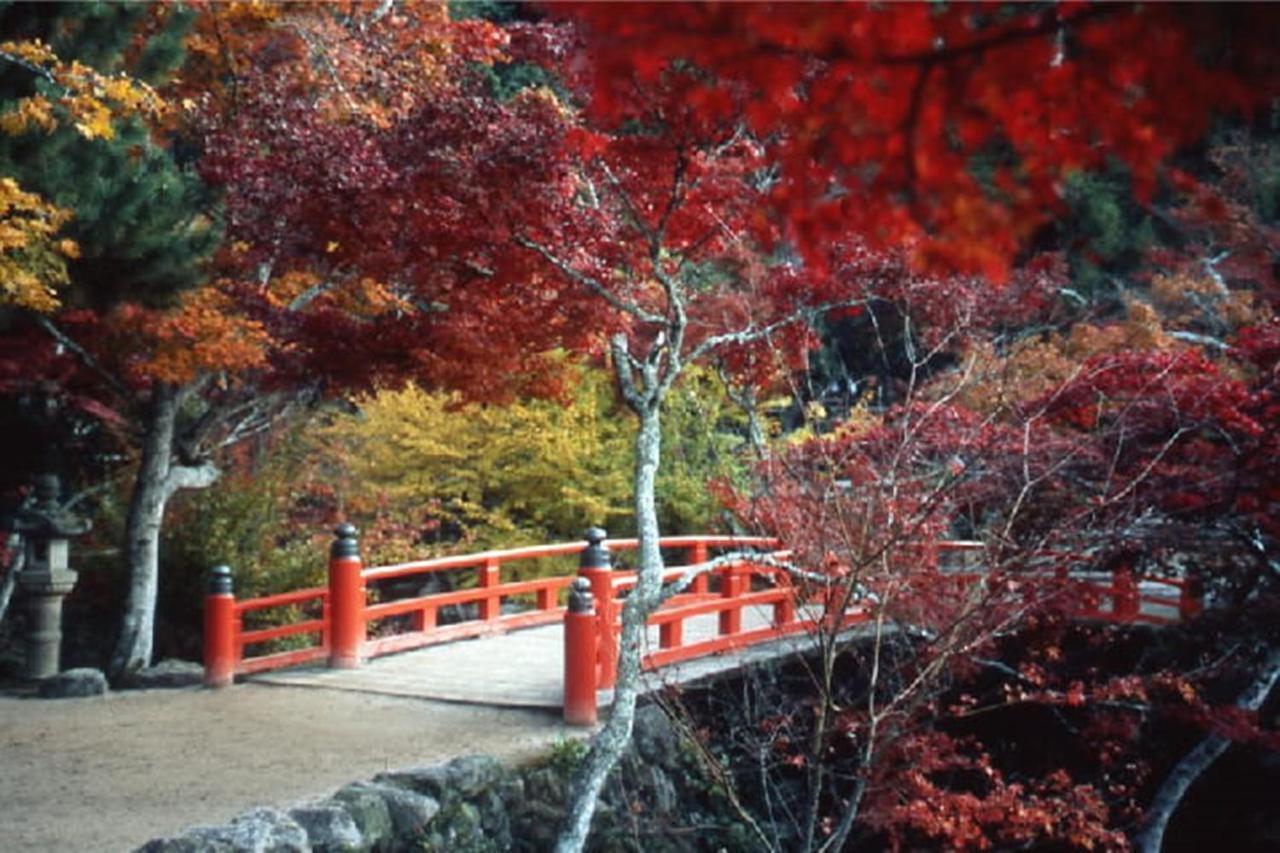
1193,765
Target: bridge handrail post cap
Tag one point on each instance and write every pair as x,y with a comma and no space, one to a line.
580,598
220,580
596,554
346,542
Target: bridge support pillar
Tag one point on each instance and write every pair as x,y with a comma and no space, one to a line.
580,656
221,652
346,600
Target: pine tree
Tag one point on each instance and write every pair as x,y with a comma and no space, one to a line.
141,217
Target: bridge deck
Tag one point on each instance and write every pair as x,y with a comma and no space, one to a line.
523,669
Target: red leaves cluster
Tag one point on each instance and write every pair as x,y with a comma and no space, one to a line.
1170,429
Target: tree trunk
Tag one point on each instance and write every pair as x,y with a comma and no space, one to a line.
158,478
609,744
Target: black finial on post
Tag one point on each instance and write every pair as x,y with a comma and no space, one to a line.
580,598
345,543
596,554
220,582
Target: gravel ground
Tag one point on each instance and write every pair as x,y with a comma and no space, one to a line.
109,773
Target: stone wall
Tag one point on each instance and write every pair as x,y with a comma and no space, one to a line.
656,800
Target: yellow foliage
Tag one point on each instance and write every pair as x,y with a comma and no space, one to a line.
367,297
86,100
364,64
496,475
470,476
362,297
32,261
34,112
1186,298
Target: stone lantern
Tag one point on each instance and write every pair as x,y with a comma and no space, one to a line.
45,579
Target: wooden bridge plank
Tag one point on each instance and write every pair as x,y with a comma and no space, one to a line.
523,669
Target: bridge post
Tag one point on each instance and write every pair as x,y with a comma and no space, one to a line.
1124,593
784,612
732,584
346,599
220,629
489,577
1190,604
594,565
580,656
699,555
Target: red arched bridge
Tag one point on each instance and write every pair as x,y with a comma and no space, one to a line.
567,648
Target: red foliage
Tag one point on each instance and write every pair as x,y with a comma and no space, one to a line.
932,789
875,113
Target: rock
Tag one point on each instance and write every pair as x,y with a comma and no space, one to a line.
257,831
193,842
495,821
460,829
466,777
267,831
367,807
167,673
74,683
330,828
410,811
205,839
654,738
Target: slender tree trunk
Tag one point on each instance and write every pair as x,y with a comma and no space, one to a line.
15,545
609,744
158,478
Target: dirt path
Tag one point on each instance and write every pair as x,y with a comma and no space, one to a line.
109,773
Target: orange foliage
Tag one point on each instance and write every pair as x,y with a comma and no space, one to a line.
359,61
1183,307
1030,368
203,334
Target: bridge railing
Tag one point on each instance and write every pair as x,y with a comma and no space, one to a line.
358,615
334,622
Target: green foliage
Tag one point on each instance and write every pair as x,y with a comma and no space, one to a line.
139,218
505,80
101,34
703,438
497,11
566,755
1105,231
242,521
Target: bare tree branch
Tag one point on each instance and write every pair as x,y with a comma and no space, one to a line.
92,363
591,283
